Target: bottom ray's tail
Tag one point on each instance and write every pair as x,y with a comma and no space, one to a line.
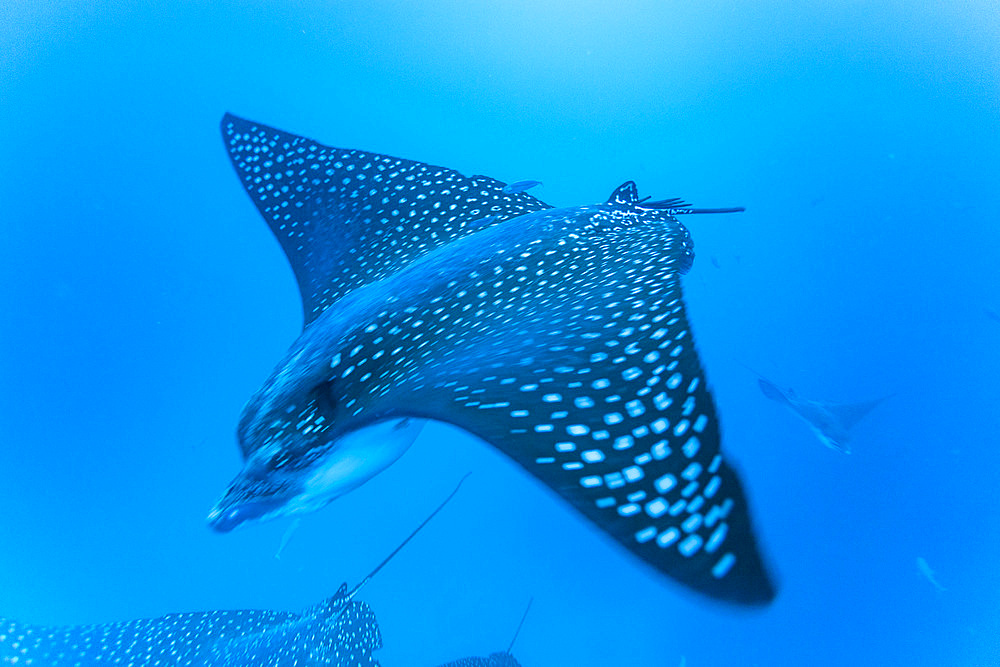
350,596
519,625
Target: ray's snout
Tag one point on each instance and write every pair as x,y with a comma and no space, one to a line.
224,520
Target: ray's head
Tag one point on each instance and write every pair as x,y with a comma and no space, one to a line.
308,436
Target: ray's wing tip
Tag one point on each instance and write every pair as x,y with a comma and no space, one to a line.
761,595
749,593
231,124
242,124
229,117
752,591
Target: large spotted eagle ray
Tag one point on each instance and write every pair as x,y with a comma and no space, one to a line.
557,335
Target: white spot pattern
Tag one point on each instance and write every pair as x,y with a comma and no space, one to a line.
204,639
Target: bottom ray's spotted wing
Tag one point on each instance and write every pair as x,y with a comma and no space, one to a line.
331,633
337,632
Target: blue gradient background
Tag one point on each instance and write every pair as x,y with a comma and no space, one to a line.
143,301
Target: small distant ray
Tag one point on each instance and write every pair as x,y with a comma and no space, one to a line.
337,632
496,659
992,314
928,573
519,186
830,422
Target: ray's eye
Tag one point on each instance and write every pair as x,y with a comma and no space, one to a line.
325,397
260,467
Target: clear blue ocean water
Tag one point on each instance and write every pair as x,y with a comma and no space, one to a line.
144,300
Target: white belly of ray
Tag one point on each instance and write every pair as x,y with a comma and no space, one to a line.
357,457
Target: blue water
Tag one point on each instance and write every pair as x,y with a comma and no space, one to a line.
144,300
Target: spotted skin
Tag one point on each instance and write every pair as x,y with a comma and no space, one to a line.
329,633
398,209
558,336
494,660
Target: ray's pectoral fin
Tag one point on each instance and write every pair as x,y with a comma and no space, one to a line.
620,423
338,632
341,633
337,212
850,414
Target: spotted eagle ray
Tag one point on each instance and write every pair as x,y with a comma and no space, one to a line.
830,422
338,632
558,336
925,569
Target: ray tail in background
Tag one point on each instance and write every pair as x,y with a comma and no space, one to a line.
338,632
558,336
928,574
830,422
498,658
